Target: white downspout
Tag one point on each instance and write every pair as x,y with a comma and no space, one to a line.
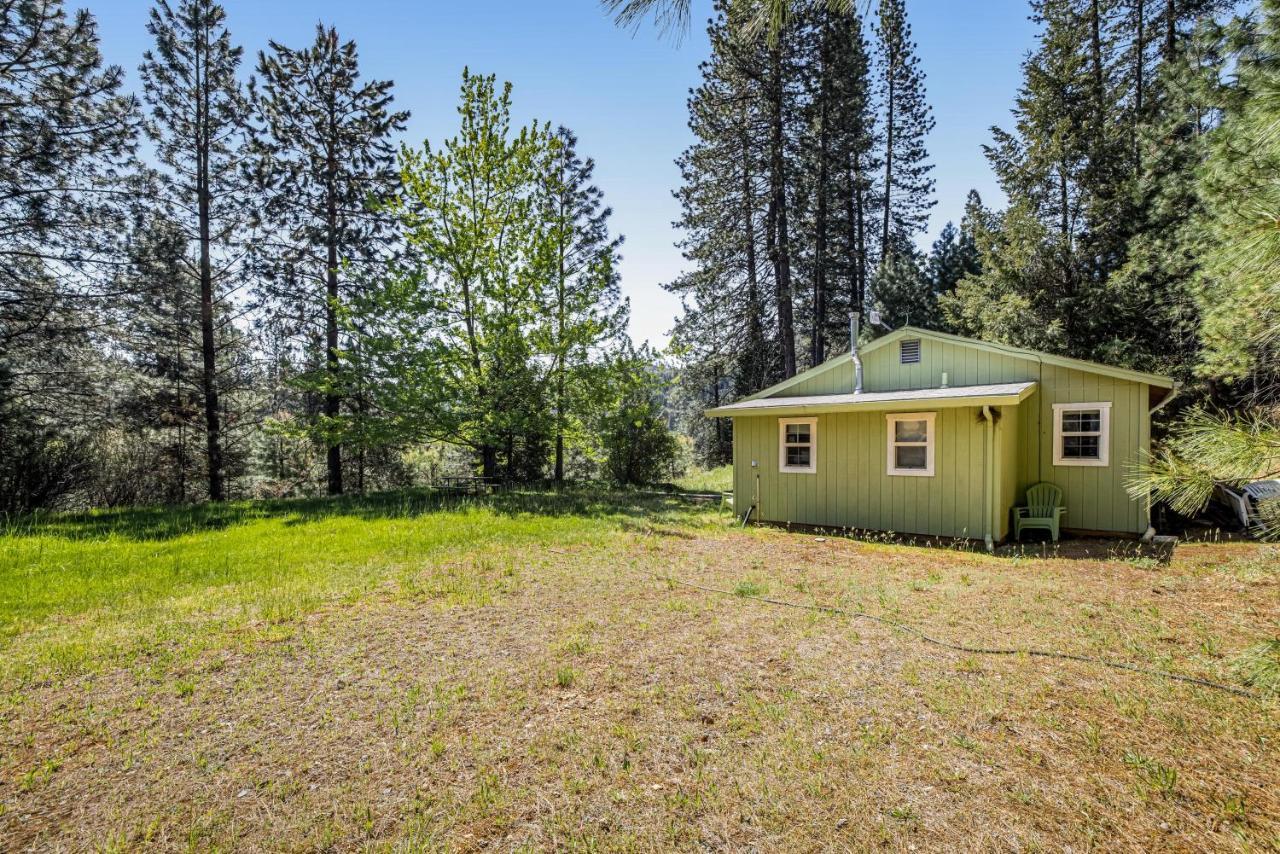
988,491
1150,533
1167,399
853,349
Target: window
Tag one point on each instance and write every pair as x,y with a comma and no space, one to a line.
1081,434
909,351
911,440
797,445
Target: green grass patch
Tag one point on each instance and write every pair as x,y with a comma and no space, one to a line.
78,591
707,480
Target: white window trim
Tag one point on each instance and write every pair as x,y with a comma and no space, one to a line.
931,440
812,445
1104,434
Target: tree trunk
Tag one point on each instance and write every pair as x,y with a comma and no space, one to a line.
1099,84
856,209
755,327
332,400
890,103
208,344
560,324
488,453
1139,60
721,443
818,344
1170,30
778,206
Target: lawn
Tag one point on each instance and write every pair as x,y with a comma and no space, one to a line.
408,672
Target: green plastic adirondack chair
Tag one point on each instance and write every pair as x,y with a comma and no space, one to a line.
1043,510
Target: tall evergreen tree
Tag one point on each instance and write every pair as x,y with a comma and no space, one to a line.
1237,294
860,138
728,319
1093,257
1045,262
199,116
159,336
584,306
906,187
955,255
1237,288
837,151
67,136
778,79
324,158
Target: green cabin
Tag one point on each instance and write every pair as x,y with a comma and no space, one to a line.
943,438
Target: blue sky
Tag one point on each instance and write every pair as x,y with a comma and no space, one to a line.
623,94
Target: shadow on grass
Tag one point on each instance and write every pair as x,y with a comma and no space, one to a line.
162,523
1119,547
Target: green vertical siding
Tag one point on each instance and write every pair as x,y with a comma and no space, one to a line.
1095,496
1008,436
835,380
851,487
882,371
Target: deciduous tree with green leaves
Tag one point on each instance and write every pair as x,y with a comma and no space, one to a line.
489,329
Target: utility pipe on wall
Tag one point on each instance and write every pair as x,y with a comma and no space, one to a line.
1150,533
853,349
988,488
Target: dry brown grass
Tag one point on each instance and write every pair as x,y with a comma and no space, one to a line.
516,697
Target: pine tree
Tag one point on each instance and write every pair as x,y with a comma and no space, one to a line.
1086,258
158,335
1156,283
1236,288
904,294
906,188
1039,286
955,254
199,116
324,155
727,319
67,138
778,104
1238,256
837,148
859,137
584,309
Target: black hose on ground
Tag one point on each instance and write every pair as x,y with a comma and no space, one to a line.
974,650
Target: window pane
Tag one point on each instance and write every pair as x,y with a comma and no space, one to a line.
1082,421
797,433
914,457
910,431
1080,447
798,456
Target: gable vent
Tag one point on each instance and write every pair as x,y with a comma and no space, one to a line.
909,351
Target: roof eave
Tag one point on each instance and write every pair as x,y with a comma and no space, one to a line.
906,405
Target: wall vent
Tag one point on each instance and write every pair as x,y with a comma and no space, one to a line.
909,351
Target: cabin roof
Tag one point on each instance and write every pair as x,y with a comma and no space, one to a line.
999,394
1126,374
